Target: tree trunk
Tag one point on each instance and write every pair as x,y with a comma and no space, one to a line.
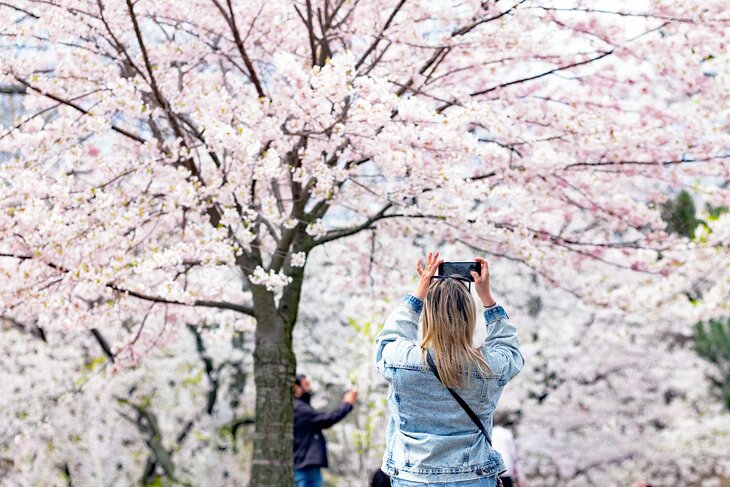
274,369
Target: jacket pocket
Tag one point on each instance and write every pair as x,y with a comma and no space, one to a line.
422,451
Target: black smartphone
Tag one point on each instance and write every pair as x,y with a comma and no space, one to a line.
460,269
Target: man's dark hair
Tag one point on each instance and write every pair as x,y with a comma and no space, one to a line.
298,379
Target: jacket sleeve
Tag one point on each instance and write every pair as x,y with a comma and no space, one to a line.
399,333
502,341
310,418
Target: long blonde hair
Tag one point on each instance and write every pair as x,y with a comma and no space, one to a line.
448,328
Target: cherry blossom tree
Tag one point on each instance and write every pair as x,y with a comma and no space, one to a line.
72,417
179,161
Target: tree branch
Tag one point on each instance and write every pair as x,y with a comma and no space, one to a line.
27,119
247,310
379,37
18,9
346,232
309,23
669,162
78,108
103,343
441,52
628,14
472,26
546,73
230,19
209,370
161,100
148,425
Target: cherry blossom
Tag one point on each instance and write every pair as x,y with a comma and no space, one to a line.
167,163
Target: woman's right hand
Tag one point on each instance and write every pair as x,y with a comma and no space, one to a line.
426,273
481,283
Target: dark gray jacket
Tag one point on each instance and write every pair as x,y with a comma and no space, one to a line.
310,447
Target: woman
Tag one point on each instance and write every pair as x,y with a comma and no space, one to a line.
431,438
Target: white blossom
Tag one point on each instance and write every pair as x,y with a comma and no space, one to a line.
274,281
317,229
298,259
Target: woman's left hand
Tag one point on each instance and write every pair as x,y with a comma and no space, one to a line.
426,273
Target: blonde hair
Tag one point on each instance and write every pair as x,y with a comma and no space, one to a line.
448,328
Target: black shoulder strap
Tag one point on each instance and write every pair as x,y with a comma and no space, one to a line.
461,401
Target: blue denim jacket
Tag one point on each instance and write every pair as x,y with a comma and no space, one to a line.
430,438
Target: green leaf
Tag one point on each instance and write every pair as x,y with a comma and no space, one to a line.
157,482
680,215
96,361
712,343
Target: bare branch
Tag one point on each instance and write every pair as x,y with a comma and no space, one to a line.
517,260
18,9
669,162
41,112
546,73
103,343
311,37
472,26
379,37
161,100
630,14
209,371
147,424
78,108
346,232
230,19
247,310
440,54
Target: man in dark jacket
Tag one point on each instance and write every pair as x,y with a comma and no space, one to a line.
310,448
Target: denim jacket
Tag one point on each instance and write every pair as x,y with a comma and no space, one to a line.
430,438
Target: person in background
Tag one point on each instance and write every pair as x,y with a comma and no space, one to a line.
310,447
504,443
379,479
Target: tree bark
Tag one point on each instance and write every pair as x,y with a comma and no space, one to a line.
274,370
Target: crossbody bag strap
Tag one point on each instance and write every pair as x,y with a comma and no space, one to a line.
461,401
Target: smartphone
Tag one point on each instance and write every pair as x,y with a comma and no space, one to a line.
460,269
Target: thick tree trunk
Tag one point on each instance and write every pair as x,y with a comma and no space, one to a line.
274,369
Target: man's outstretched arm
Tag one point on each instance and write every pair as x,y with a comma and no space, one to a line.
312,418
